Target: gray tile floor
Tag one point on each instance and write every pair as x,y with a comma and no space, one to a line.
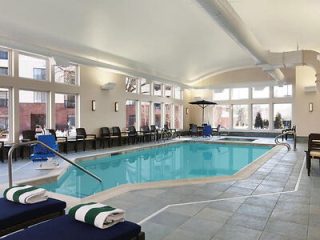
264,206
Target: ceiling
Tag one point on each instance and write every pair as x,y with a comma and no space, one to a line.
173,40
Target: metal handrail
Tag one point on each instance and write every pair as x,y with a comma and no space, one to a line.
51,149
287,144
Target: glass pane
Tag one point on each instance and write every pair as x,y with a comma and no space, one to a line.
239,93
33,110
131,84
177,93
145,87
145,114
167,91
4,114
131,113
284,91
221,94
178,124
282,115
157,114
157,89
222,116
65,113
67,75
260,92
4,62
260,116
32,67
240,117
167,114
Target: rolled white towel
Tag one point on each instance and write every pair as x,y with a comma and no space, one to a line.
97,214
25,194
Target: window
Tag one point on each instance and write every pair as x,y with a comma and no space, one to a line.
131,84
240,117
284,91
145,114
221,116
65,112
157,89
239,93
32,67
4,114
221,94
167,115
260,116
157,114
131,106
177,93
4,62
167,91
66,74
145,87
260,92
33,109
282,115
178,123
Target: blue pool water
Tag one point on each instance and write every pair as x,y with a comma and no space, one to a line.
175,161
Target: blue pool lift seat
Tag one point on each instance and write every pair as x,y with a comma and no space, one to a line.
207,131
41,153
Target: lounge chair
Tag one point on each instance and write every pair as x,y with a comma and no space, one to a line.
63,141
116,133
67,228
2,151
82,136
207,131
146,133
216,131
155,132
105,136
132,135
16,216
289,132
27,136
313,149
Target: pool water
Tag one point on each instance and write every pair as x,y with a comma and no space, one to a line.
169,162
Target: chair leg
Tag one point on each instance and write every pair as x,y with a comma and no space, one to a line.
94,144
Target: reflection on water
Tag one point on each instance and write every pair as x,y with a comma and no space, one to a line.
177,161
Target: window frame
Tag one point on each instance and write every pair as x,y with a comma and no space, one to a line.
10,64
46,59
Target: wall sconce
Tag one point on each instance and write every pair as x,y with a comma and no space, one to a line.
187,111
116,107
310,107
93,105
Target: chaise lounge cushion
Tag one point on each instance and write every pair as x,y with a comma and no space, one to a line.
67,228
12,213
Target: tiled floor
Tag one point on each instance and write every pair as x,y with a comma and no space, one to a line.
268,205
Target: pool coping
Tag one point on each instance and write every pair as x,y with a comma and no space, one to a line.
115,191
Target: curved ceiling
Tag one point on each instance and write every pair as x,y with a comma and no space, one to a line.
175,40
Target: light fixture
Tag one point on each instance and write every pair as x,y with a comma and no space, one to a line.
93,105
187,111
116,107
310,107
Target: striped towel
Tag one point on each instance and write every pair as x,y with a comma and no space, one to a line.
97,214
25,194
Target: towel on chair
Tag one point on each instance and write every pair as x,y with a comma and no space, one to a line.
97,214
25,194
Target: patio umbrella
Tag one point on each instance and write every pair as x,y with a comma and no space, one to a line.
203,104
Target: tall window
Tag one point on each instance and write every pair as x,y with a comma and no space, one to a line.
177,93
283,91
4,62
260,92
240,117
157,114
221,94
131,107
131,84
239,93
221,116
33,109
178,123
145,114
66,74
167,91
145,87
260,116
65,112
167,114
157,89
4,114
282,115
32,67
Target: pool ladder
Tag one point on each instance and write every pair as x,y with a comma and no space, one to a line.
15,146
276,140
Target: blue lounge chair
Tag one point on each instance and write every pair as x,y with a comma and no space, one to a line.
41,153
16,216
67,228
207,131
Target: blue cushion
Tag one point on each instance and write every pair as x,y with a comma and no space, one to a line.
14,213
67,228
